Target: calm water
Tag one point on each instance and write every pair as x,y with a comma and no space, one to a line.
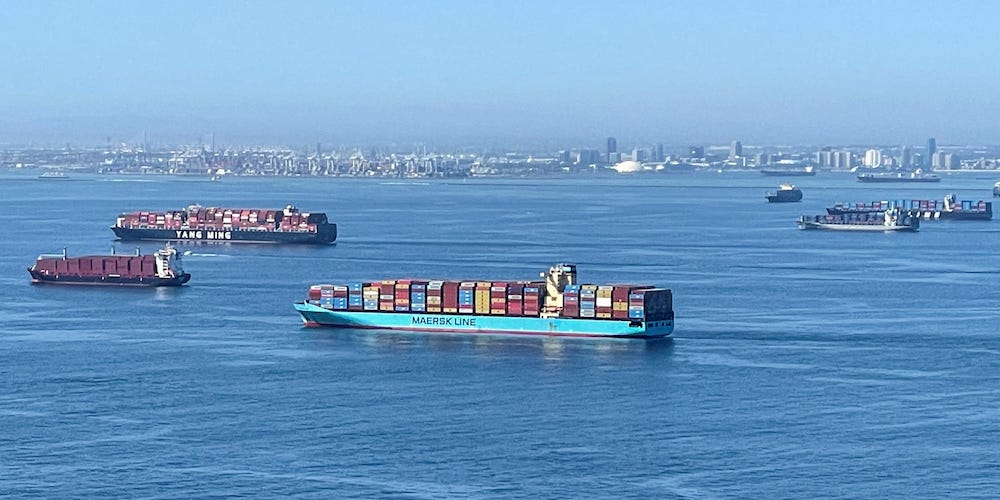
804,364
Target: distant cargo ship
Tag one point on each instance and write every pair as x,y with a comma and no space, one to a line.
788,171
228,225
557,306
890,220
786,193
947,209
899,177
162,268
53,174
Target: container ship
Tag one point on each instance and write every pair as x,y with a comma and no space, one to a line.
163,268
786,172
890,220
557,306
899,177
228,225
947,209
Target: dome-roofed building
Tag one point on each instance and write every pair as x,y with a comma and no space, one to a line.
628,167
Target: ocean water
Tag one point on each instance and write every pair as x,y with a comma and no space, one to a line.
804,364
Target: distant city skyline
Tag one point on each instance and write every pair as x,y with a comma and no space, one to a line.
451,72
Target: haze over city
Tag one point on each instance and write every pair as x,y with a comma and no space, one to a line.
453,73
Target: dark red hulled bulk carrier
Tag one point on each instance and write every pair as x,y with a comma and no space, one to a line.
162,268
228,225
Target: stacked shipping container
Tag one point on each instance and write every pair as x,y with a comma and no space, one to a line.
922,205
619,302
129,266
213,218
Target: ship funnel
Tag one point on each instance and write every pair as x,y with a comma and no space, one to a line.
137,253
64,253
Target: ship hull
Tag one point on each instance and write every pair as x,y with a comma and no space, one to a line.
325,235
315,316
785,197
897,179
855,227
37,277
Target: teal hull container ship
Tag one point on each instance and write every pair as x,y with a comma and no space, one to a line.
557,306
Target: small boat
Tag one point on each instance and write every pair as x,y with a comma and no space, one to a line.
890,220
53,174
899,177
785,193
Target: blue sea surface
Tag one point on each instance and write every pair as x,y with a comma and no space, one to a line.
804,364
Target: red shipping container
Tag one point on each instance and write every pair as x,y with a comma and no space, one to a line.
148,266
449,295
133,266
85,267
514,308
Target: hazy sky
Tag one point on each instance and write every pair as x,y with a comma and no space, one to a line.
554,72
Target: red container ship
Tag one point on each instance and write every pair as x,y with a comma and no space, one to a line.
227,225
162,268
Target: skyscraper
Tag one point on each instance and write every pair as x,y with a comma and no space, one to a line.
873,158
906,157
735,150
659,152
612,148
931,147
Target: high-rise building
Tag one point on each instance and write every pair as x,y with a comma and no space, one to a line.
873,158
735,150
906,157
938,160
588,156
825,158
952,161
931,147
659,152
612,148
846,160
761,159
639,154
